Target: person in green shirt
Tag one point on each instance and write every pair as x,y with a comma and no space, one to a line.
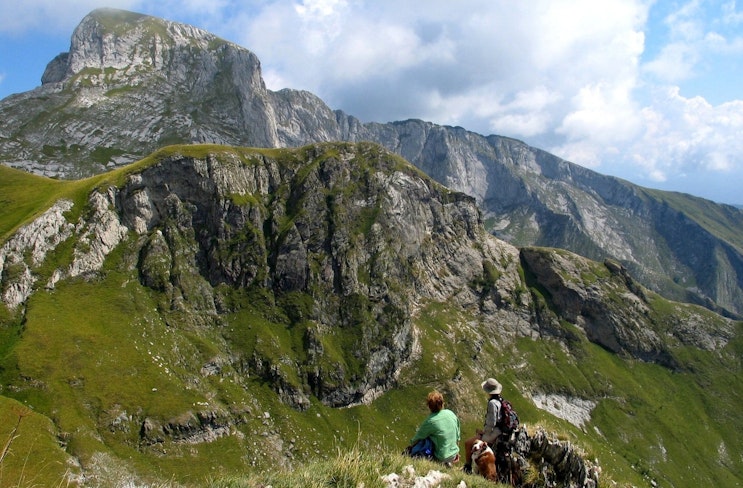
442,427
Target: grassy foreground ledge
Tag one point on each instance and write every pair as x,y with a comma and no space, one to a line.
354,468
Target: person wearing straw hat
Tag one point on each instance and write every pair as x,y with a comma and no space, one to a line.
490,431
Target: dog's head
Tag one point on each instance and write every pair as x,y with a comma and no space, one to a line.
480,447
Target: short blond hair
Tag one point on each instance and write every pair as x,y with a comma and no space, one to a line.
435,401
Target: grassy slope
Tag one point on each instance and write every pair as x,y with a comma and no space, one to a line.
353,466
719,220
33,456
101,349
25,196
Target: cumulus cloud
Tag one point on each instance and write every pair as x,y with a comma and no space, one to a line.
559,73
689,135
491,56
49,15
675,62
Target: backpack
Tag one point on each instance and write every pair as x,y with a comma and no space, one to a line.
509,419
423,448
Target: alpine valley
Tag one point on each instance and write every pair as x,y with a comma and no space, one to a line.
204,280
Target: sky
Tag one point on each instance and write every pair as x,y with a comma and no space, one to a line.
649,91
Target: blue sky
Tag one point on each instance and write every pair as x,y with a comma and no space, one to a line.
649,91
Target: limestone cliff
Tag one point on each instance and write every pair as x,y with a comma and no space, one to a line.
358,232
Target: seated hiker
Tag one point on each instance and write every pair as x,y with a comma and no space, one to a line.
491,430
441,427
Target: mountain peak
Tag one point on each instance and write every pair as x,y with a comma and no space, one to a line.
115,18
122,44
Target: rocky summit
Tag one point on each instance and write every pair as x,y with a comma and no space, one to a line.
200,308
131,84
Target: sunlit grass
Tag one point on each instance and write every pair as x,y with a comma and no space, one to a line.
352,468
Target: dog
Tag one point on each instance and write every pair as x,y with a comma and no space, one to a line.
483,458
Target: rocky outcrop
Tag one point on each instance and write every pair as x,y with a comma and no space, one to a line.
321,226
97,234
575,410
186,84
359,232
613,310
559,463
538,461
530,197
189,428
27,249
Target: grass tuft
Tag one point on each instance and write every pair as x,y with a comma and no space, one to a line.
352,468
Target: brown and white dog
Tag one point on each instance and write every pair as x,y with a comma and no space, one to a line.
483,458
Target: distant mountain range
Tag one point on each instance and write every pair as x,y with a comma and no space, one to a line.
196,310
132,83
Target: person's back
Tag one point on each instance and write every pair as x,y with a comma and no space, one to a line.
444,434
442,427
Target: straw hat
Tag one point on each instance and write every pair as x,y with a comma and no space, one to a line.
491,386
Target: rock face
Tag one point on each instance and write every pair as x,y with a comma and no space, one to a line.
319,226
143,72
612,309
350,240
28,248
131,84
687,248
356,230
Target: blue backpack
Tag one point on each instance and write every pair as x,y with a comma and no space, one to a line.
423,448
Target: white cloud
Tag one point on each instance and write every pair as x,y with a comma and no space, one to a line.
60,16
698,33
493,52
602,112
688,135
730,15
675,63
527,113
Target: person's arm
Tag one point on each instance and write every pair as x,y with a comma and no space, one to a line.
424,431
491,418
